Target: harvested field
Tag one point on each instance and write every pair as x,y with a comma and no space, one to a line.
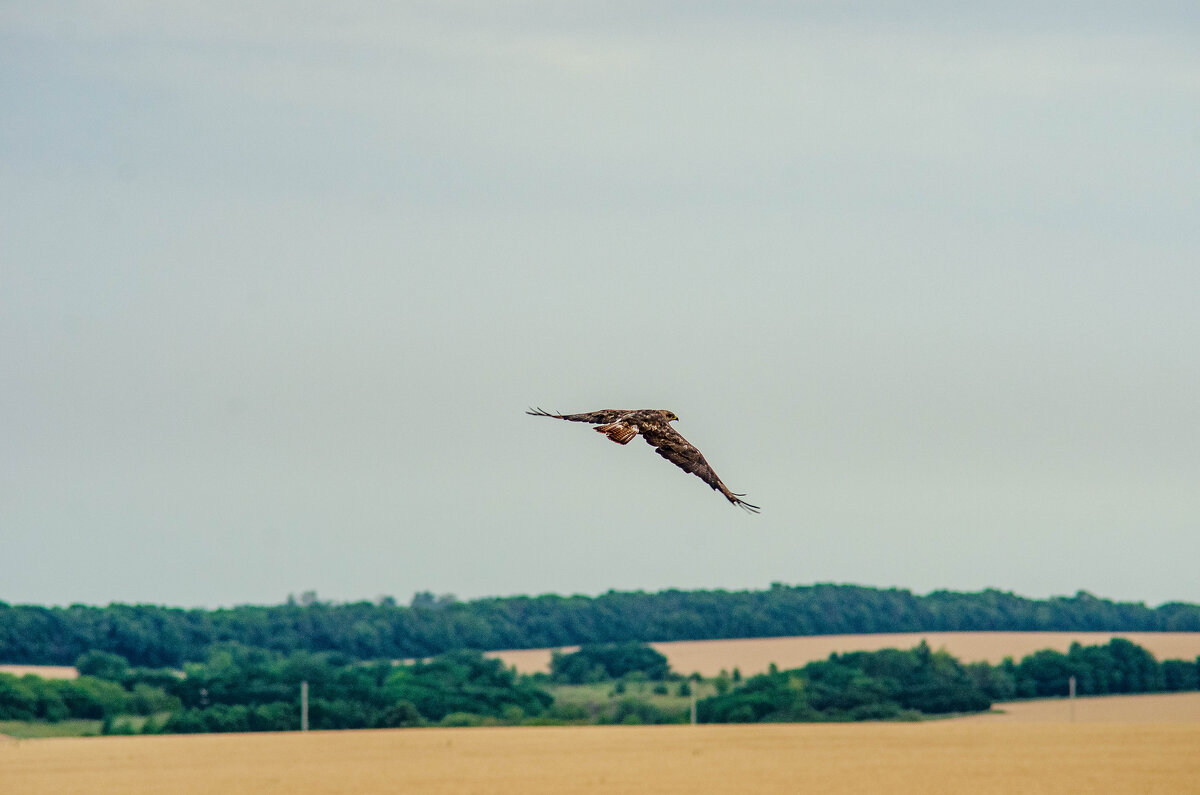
948,756
754,655
44,671
1143,708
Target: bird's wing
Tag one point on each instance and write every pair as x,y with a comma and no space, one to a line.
671,445
594,417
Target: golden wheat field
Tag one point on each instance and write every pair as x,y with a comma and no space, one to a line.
754,655
946,757
44,671
1141,708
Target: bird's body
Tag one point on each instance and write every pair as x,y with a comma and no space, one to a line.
654,425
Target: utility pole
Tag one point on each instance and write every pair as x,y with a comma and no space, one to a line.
304,706
1071,696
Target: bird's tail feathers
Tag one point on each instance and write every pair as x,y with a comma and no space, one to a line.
618,432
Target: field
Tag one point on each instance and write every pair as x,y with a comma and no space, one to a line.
62,728
44,671
602,698
947,756
754,655
1142,708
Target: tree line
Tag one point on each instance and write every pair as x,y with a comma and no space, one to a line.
893,684
158,636
238,689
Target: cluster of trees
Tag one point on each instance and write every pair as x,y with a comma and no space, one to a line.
599,662
240,688
106,687
246,689
1119,666
155,636
891,684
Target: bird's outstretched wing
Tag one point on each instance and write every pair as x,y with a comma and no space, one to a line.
594,417
671,445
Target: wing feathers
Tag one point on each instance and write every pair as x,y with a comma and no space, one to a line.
621,426
604,415
671,445
618,432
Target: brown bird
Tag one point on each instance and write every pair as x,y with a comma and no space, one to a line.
621,425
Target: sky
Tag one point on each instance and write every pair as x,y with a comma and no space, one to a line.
279,280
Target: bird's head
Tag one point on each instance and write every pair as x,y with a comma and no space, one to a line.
671,416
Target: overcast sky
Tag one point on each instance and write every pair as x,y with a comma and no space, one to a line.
278,281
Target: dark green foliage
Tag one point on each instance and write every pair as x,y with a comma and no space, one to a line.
1181,674
632,711
112,726
1119,666
881,685
33,698
400,715
464,682
997,682
18,701
102,665
596,662
893,684
88,697
236,691
243,689
148,635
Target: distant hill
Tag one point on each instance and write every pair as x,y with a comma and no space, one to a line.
153,635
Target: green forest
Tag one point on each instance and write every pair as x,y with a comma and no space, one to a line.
156,636
238,689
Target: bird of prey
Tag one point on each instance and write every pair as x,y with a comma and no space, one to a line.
621,425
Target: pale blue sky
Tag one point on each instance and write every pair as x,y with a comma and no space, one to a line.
276,286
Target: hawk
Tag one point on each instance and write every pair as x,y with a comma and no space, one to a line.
621,425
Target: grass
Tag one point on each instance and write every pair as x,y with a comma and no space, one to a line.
38,728
26,729
602,699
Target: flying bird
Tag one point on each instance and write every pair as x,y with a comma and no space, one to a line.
621,425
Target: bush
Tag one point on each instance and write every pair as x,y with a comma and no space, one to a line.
147,700
17,700
461,719
632,711
102,665
464,682
1181,675
115,726
599,661
568,713
884,685
402,714
279,716
89,697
